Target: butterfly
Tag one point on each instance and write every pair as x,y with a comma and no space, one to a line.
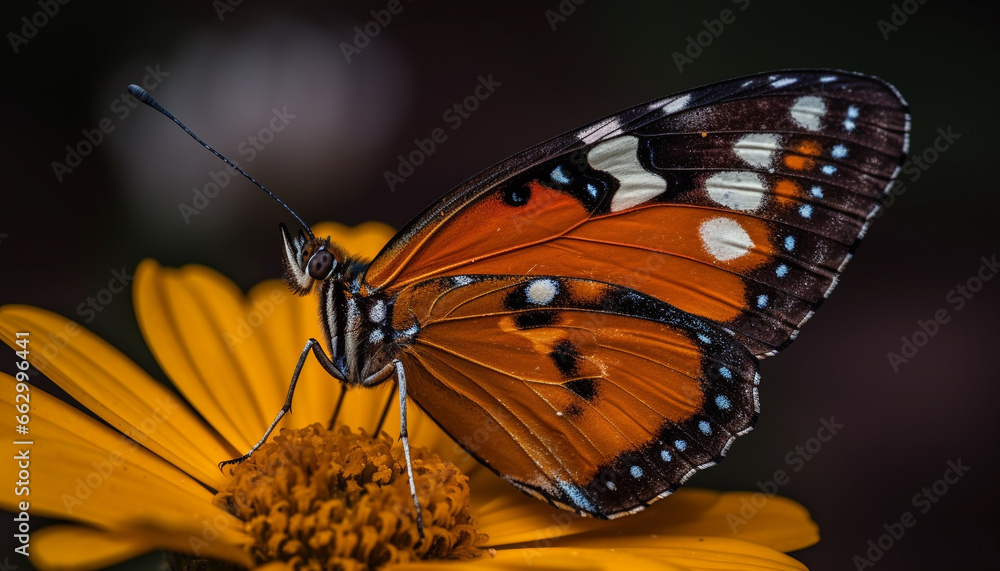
604,298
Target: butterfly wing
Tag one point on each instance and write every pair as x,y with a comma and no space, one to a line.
739,202
592,396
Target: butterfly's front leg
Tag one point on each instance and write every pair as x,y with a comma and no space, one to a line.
317,348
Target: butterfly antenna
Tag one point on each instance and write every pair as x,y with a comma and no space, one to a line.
144,96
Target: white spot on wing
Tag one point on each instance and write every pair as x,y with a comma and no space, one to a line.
739,190
783,82
618,157
677,104
724,238
808,110
600,131
757,149
541,292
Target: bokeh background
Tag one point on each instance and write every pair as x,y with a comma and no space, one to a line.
225,68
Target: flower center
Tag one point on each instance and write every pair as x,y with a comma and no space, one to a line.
340,499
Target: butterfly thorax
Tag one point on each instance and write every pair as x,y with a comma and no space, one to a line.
356,319
358,325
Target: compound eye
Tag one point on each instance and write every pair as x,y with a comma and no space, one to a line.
321,264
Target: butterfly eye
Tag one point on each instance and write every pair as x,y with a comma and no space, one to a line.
518,196
321,264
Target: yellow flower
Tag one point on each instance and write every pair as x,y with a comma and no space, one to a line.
150,481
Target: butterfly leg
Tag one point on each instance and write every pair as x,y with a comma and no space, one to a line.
317,349
405,439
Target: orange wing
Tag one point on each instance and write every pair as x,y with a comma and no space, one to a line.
594,397
739,202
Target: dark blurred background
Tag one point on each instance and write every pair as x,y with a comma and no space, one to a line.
224,69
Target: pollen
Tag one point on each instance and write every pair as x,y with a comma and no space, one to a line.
340,499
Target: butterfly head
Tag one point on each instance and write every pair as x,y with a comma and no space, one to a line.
309,260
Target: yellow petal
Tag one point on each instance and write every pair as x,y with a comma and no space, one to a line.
697,552
77,548
82,470
569,559
73,547
116,389
292,322
775,522
185,316
508,516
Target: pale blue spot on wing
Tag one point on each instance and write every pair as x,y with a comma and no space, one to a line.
816,191
781,271
591,190
839,151
705,427
636,471
828,169
680,445
806,210
789,243
762,301
665,455
559,176
576,496
704,339
848,124
725,372
722,402
852,112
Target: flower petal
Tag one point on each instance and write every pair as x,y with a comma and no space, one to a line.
698,552
284,334
82,548
509,516
555,558
84,471
775,522
58,547
116,389
185,316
